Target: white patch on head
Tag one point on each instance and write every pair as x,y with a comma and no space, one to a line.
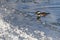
39,12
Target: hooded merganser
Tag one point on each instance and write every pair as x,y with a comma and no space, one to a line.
41,14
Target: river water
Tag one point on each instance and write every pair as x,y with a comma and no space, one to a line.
18,20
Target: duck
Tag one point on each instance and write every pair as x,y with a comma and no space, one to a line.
41,14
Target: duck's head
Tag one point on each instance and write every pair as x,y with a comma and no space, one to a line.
38,12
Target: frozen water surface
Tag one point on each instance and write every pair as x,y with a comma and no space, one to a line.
18,20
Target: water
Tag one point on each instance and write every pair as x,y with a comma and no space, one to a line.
18,20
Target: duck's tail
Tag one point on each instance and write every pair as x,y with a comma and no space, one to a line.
47,13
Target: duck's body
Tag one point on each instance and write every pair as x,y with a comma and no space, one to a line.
41,14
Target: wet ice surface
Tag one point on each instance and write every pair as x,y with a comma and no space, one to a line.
18,20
